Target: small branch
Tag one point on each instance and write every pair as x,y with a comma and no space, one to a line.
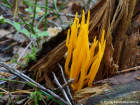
138,78
69,93
50,102
64,14
13,77
12,70
9,47
17,92
12,81
27,101
44,101
7,15
63,91
63,86
23,91
54,23
128,70
23,52
6,91
3,70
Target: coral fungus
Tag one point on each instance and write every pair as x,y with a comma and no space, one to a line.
85,62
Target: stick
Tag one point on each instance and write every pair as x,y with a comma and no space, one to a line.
63,91
63,86
64,14
128,70
6,91
54,23
23,53
66,83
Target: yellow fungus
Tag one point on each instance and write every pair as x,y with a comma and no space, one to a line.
70,44
67,41
84,61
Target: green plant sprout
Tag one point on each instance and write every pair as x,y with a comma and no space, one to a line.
32,56
14,60
69,23
36,96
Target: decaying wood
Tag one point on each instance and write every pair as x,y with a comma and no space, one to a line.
123,87
50,59
120,19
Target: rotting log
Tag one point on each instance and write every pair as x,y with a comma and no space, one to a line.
120,19
120,88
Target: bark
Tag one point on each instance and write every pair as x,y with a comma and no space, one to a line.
120,88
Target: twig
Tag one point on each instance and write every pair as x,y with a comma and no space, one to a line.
30,102
3,75
50,102
63,86
44,101
69,93
9,47
6,15
6,91
138,78
23,91
3,93
54,23
13,77
23,53
15,92
12,70
63,91
64,14
27,101
128,70
4,79
3,70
